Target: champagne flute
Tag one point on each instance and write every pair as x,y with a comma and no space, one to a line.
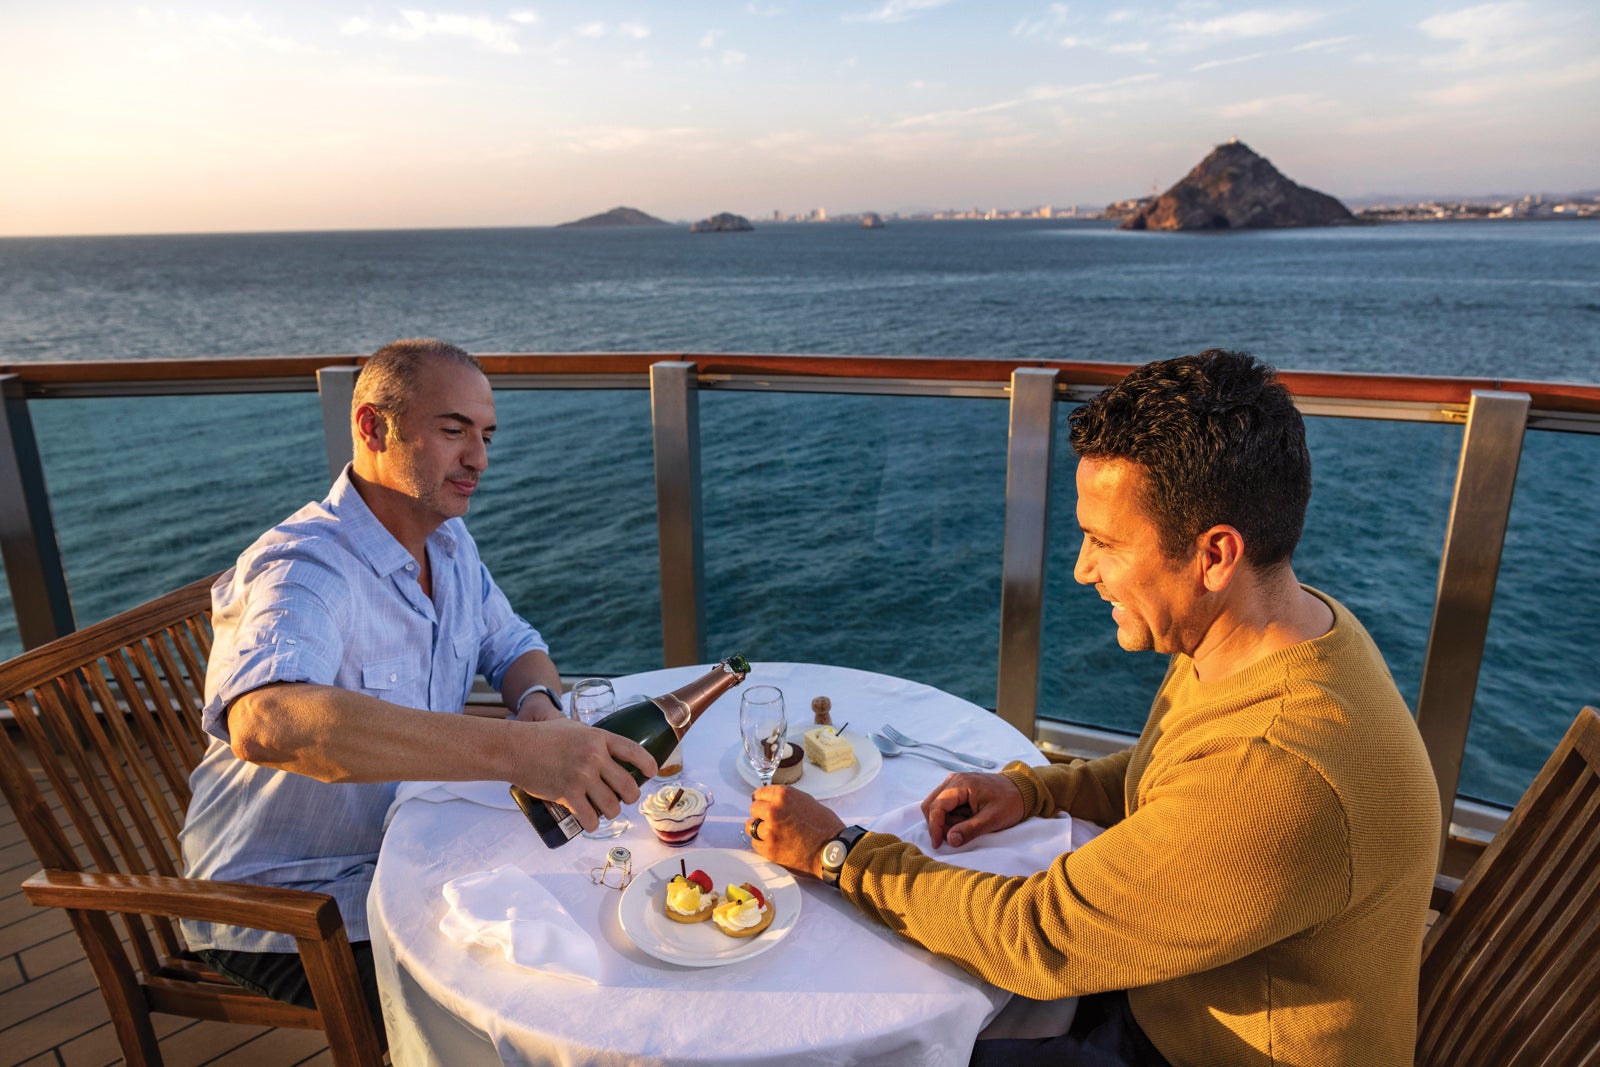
592,700
762,727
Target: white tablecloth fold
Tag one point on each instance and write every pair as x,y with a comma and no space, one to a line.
509,911
488,794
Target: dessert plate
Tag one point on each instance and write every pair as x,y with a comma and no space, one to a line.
702,944
820,784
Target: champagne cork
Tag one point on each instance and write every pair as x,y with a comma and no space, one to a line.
822,711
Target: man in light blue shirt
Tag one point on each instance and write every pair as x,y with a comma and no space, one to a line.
341,634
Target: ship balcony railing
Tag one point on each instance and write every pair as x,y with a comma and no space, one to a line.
1492,418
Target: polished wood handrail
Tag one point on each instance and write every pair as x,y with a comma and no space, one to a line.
44,377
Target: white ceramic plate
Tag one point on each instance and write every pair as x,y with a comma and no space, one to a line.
703,944
820,784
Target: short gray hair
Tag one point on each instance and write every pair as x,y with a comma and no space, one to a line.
388,380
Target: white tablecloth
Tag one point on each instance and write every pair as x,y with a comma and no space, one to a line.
837,990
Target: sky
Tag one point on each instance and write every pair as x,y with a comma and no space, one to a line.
339,114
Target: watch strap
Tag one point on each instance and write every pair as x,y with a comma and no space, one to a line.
555,697
848,838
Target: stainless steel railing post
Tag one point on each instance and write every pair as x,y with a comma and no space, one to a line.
336,386
675,418
1030,449
1479,510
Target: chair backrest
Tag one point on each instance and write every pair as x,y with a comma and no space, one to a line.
1511,970
112,716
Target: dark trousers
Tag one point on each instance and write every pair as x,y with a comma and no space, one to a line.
1104,1033
281,975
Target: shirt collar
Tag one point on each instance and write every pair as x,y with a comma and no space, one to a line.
383,553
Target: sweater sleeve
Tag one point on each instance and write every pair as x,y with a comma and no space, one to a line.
1089,789
1196,877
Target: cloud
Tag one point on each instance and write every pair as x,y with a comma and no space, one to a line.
1047,25
489,34
1489,35
1502,87
1257,22
591,29
604,139
1089,92
896,11
524,18
1298,103
637,30
732,57
710,38
1327,44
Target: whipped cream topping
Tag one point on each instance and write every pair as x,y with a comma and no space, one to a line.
738,916
689,805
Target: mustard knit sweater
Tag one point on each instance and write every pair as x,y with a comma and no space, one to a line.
1262,884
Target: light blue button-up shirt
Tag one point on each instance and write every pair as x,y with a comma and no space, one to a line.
329,596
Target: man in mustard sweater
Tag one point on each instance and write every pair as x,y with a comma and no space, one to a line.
1259,894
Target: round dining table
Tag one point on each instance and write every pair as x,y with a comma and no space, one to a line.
826,986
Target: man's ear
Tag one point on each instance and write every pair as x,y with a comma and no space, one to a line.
372,428
1220,554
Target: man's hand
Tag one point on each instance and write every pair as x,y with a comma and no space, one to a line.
791,827
968,805
576,765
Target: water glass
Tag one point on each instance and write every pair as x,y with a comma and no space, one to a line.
592,700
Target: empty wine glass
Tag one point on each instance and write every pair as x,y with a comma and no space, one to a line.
592,700
762,727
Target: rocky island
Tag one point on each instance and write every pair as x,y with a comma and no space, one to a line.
724,222
1233,188
617,216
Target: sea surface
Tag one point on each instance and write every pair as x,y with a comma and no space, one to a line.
863,531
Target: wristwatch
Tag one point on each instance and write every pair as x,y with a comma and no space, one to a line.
834,852
555,697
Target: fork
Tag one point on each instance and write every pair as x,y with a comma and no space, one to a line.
900,738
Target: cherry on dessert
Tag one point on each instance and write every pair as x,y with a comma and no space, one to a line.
761,901
701,879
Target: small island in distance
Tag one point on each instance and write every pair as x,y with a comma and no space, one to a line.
1232,188
618,216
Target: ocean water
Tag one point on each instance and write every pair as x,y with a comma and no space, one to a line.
863,531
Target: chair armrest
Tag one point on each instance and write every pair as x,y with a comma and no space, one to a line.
1444,892
296,912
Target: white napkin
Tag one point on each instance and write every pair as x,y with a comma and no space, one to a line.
488,794
508,910
1023,849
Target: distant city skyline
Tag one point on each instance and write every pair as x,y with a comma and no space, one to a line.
297,115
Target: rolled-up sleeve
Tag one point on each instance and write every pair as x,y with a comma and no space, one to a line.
284,630
507,636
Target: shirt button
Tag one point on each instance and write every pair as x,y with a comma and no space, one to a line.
411,566
394,677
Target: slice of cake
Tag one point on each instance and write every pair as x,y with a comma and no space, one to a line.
828,750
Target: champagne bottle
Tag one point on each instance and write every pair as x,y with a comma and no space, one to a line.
656,723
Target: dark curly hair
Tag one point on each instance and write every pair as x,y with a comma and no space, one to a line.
1220,441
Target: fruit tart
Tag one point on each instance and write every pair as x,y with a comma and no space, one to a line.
689,898
744,912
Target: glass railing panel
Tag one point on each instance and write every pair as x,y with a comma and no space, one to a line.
149,493
862,531
565,519
1373,535
1539,663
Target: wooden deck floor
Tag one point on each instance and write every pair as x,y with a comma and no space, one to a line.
51,1013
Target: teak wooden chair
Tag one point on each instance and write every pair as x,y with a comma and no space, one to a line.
112,715
1509,971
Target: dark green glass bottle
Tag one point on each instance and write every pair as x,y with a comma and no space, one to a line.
656,723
